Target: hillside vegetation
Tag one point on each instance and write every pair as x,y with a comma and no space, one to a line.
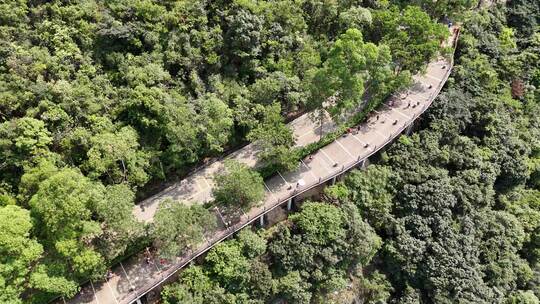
450,214
103,102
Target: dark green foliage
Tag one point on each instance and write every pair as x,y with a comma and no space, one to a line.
455,207
298,263
238,186
275,141
400,31
102,100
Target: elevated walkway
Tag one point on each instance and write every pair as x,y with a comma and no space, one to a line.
134,278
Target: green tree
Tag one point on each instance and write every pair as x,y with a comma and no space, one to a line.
181,134
253,245
355,17
323,243
275,140
293,288
373,192
215,122
238,186
340,83
277,87
64,206
23,142
413,37
120,228
195,287
178,228
261,284
525,297
523,15
320,223
440,9
19,252
117,156
229,266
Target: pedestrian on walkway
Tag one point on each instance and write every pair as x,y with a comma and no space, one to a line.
109,274
377,117
147,255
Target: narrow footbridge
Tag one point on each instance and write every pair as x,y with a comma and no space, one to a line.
134,278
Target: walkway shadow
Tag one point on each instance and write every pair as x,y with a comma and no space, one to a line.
276,185
248,154
175,193
418,87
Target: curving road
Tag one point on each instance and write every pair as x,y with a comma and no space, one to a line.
134,278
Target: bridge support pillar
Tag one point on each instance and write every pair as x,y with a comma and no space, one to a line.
333,180
409,129
261,220
289,204
363,164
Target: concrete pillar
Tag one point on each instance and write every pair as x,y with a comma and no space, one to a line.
409,129
363,164
261,220
289,204
333,180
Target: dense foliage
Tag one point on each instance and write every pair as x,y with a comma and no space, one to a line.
103,101
238,186
450,214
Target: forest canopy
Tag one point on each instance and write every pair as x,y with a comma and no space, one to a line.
104,102
449,214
